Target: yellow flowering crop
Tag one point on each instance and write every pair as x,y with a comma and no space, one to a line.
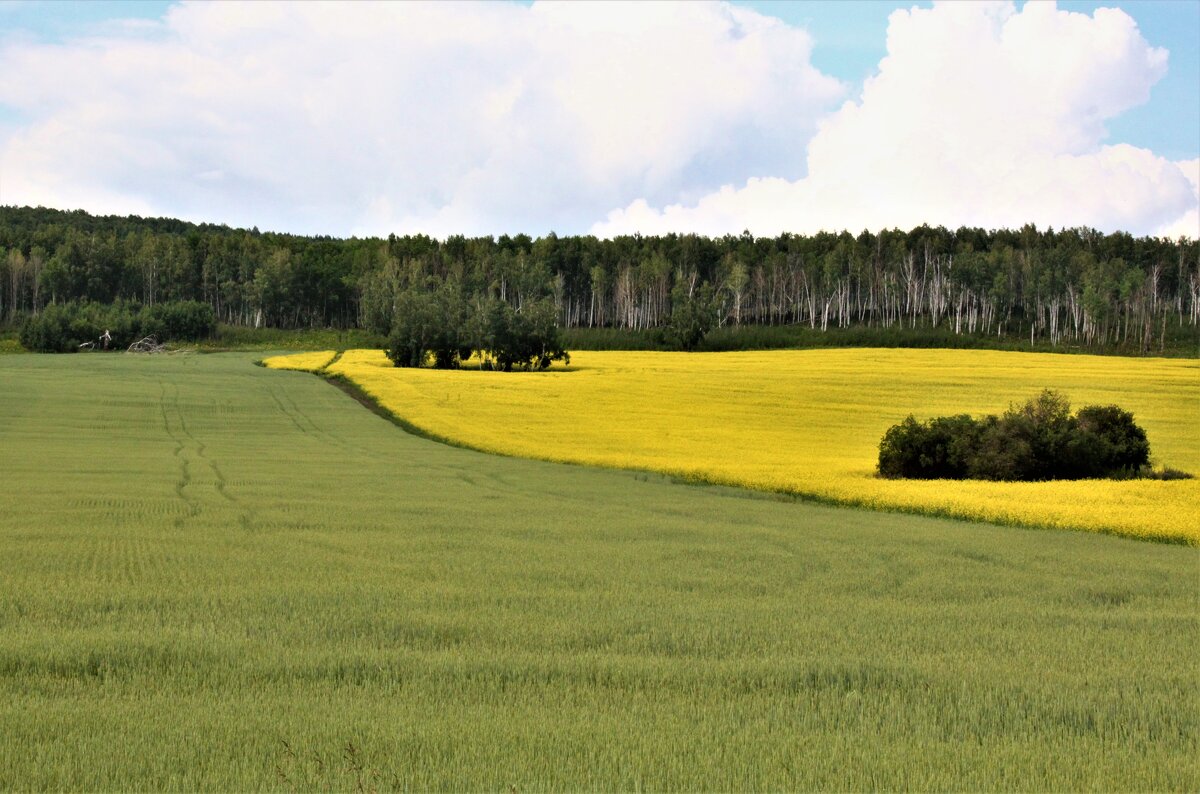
809,422
306,362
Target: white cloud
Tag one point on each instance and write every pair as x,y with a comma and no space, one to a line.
377,117
1189,224
979,115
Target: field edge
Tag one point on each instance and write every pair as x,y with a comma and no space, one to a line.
371,403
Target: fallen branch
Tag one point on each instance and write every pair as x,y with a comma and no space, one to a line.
147,344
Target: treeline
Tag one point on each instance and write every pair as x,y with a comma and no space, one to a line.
1073,286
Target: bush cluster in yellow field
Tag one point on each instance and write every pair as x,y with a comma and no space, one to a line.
809,423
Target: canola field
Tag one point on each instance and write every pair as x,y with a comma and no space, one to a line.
809,422
305,362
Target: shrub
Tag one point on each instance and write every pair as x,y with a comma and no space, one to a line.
938,449
1118,439
1038,440
182,321
64,327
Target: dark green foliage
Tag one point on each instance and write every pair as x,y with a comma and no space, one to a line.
1069,289
189,321
1039,440
440,324
1167,473
240,337
611,339
938,449
1037,435
430,322
66,327
1114,436
527,338
694,312
1180,341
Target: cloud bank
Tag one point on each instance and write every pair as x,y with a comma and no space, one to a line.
449,118
442,117
979,115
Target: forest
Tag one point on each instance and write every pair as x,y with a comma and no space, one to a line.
1072,286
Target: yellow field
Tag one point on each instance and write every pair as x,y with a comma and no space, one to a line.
307,362
809,422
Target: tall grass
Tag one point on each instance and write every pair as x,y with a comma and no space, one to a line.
237,337
217,576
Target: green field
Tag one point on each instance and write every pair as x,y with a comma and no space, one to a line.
217,576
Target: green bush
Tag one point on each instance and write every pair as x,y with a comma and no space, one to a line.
1039,440
66,327
938,449
183,321
1113,436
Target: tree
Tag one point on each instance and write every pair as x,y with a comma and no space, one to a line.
935,450
1070,287
1120,445
272,287
526,339
17,267
694,313
430,322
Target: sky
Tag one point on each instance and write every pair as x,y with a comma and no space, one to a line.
606,118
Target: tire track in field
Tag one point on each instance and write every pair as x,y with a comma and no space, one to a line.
246,513
283,409
200,449
332,438
300,418
191,506
458,472
187,441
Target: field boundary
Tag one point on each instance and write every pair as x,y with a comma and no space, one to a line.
372,404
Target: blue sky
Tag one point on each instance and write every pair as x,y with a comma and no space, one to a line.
605,118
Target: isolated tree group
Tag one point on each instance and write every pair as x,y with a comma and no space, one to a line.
1039,440
440,327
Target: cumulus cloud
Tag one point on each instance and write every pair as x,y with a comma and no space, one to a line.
979,115
1189,224
436,117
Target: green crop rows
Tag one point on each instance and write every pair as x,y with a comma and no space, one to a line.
216,576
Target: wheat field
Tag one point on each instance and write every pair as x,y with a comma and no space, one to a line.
221,577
